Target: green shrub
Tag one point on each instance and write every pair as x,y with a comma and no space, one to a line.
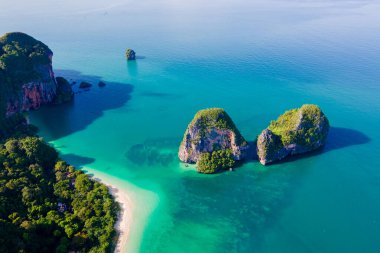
215,161
304,126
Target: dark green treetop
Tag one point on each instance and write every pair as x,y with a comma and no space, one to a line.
303,125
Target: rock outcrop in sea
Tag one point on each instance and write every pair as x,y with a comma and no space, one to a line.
26,74
64,91
85,85
130,54
297,131
101,84
212,132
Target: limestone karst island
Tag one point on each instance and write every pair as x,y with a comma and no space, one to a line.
189,126
213,142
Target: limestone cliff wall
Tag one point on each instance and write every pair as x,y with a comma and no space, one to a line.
35,93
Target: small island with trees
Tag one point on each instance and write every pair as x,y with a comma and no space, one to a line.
296,131
212,141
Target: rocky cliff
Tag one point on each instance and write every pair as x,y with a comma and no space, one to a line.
296,131
27,77
211,130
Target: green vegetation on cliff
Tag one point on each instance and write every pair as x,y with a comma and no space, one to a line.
302,126
26,77
215,118
49,206
15,126
294,132
212,141
217,160
3,88
19,55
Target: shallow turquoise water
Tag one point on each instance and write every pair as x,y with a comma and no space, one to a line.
253,58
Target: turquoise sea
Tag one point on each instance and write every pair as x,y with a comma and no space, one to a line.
255,59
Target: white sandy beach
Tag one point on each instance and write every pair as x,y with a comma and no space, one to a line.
123,222
134,211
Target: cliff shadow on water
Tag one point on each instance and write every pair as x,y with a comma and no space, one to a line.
88,105
77,160
163,151
154,152
340,137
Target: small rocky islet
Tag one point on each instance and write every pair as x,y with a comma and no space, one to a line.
85,85
64,91
130,54
296,131
213,142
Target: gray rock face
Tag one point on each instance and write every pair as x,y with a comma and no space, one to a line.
35,93
211,130
295,132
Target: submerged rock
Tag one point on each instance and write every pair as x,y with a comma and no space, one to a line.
212,141
296,131
64,91
101,84
130,54
84,85
148,154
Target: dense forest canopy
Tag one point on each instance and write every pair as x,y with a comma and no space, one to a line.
19,55
47,205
